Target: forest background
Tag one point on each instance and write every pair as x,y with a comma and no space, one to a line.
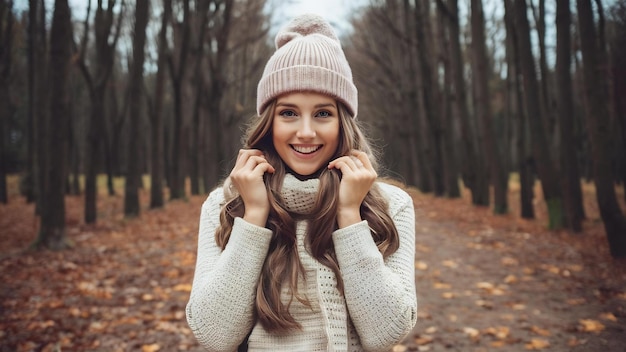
458,98
117,118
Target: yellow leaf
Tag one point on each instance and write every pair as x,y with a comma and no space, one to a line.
150,348
537,344
183,287
442,286
431,330
485,285
590,325
399,348
448,295
147,297
419,265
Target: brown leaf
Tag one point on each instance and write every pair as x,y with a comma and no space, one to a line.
537,344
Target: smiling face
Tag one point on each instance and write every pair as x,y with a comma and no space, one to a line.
305,131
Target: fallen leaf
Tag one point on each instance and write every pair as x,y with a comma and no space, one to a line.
539,331
608,316
150,348
450,264
419,265
510,279
399,348
474,334
537,344
423,340
183,287
590,325
441,286
499,332
576,301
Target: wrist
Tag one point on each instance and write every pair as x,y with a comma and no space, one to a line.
347,217
256,217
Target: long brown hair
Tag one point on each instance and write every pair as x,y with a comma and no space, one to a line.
282,264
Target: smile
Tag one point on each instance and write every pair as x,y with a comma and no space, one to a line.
306,149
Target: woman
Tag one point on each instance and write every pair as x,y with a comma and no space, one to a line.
302,249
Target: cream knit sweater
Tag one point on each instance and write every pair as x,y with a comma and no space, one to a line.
378,309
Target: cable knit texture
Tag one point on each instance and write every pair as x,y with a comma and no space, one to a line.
379,307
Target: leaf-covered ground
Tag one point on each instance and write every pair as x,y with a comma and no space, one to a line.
484,282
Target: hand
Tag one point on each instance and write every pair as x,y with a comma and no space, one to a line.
358,177
247,178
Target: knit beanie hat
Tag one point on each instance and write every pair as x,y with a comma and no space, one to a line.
308,58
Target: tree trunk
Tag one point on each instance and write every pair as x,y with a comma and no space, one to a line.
135,91
498,177
6,107
181,129
594,64
40,99
97,84
156,191
570,183
429,91
451,172
471,161
52,230
541,148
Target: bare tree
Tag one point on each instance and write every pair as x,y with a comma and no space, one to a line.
135,92
52,230
450,160
157,132
484,114
572,193
177,68
597,117
6,107
472,162
518,114
96,79
541,148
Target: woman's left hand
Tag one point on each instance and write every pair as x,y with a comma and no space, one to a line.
358,177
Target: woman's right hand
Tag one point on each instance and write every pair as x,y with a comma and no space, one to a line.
247,178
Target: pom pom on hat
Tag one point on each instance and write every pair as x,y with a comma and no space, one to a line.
308,58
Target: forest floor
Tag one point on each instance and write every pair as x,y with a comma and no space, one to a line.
484,282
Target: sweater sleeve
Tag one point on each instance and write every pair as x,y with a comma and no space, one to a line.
220,307
380,294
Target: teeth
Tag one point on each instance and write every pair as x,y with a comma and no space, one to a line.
305,150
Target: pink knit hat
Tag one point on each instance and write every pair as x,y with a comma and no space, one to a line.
308,58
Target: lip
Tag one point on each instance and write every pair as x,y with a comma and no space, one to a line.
315,147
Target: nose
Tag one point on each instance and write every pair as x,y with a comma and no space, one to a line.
306,129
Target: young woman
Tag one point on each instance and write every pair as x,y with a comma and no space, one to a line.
302,249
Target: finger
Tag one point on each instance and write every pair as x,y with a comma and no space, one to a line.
345,164
363,158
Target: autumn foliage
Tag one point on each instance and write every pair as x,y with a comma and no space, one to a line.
484,282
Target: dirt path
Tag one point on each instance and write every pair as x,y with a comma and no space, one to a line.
499,289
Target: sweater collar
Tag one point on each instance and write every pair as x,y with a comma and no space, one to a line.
299,195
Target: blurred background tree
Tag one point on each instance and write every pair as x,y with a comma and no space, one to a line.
461,96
